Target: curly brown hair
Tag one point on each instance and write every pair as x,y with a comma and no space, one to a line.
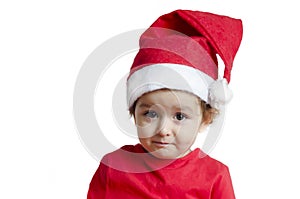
208,112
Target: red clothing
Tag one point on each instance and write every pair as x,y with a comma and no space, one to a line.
129,173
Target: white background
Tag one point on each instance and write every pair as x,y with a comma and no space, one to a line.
43,45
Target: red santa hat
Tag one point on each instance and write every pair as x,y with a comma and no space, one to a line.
178,51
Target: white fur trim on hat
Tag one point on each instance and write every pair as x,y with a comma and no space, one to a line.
171,76
219,93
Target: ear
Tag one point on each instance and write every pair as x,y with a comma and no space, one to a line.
204,123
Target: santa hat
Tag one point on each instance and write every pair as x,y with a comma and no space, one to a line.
178,51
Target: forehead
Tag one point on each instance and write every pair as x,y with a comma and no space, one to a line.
169,98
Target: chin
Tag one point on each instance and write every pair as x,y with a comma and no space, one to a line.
161,154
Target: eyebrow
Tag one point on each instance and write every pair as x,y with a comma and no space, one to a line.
144,105
184,108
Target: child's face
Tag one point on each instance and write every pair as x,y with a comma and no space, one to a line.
168,122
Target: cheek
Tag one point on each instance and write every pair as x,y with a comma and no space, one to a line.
189,131
143,122
193,125
146,130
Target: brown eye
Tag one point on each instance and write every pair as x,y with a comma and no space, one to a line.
180,116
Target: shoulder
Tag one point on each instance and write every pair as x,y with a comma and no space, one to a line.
124,152
211,165
121,153
221,184
123,159
215,163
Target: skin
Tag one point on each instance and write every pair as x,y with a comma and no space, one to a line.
168,122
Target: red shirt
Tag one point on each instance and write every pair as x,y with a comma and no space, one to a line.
131,173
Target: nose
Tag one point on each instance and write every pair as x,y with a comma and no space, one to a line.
166,127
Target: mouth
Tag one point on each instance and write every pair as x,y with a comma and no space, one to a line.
160,144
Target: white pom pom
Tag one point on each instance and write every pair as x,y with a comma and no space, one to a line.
219,93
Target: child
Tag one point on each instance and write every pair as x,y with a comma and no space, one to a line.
173,94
